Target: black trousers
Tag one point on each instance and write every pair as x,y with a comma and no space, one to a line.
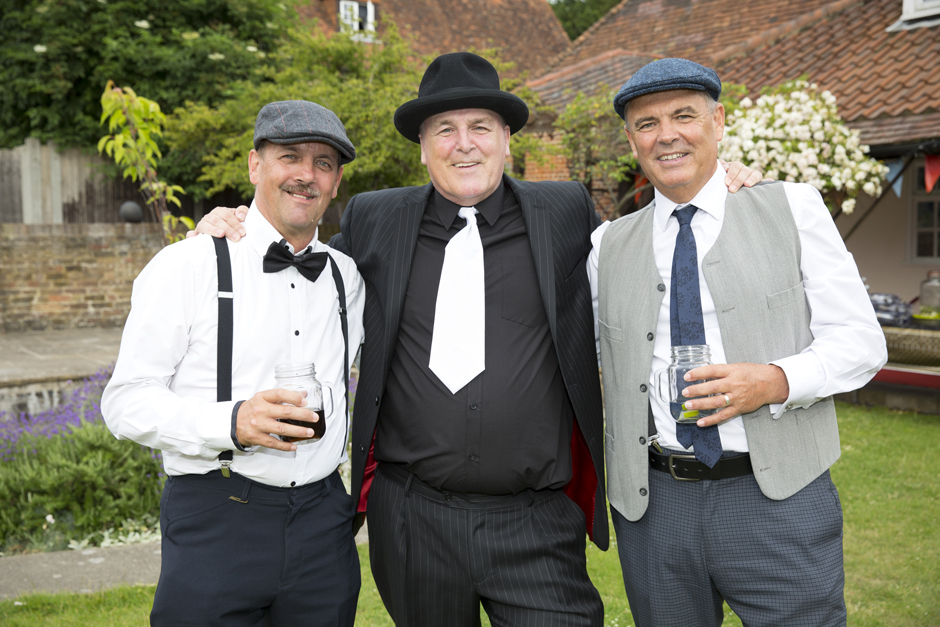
437,556
237,552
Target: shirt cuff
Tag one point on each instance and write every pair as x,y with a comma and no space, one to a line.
235,441
804,375
214,426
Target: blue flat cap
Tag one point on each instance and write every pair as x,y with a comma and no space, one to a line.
300,121
665,75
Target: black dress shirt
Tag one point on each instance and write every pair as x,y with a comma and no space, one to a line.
509,429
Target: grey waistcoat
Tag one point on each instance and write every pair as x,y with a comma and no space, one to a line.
753,273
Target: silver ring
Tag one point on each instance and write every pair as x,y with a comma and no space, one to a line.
727,400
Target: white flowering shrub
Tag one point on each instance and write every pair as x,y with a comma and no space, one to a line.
793,132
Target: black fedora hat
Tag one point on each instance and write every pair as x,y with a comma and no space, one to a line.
459,80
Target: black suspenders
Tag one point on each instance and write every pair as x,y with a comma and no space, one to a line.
226,333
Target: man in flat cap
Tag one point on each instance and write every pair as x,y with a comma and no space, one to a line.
734,502
478,429
257,525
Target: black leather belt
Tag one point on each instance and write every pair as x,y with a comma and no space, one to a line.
687,468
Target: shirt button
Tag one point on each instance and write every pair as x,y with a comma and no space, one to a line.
642,387
473,405
642,491
296,332
473,458
447,496
642,440
376,401
292,286
362,449
293,483
661,287
649,336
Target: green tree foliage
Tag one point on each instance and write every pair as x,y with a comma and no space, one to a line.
362,84
576,16
57,55
135,124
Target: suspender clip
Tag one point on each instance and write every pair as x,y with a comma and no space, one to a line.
226,463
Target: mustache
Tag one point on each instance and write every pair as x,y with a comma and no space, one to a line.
305,190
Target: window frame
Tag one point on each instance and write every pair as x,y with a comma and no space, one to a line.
917,195
361,31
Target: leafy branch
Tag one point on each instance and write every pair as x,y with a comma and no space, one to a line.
134,123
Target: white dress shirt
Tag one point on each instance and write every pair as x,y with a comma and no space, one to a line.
163,390
848,346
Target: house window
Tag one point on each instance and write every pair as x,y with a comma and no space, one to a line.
358,17
917,9
926,209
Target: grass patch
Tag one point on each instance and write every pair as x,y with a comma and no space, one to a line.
889,483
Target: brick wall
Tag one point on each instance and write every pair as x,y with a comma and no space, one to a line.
61,276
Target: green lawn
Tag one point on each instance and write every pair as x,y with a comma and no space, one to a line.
889,481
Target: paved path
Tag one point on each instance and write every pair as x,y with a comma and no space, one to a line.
90,570
35,356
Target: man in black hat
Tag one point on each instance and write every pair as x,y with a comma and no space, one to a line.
255,528
478,428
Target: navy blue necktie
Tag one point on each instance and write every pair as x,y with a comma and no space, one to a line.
687,328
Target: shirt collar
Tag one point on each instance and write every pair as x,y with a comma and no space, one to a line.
261,233
710,200
490,207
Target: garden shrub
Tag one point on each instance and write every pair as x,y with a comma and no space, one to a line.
64,476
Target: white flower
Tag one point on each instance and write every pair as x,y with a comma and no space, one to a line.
251,48
869,188
747,103
848,205
216,56
144,24
190,35
50,519
39,48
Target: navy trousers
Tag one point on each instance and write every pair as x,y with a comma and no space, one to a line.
237,552
436,556
776,563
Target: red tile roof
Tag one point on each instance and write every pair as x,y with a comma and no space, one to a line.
887,84
608,68
693,29
526,31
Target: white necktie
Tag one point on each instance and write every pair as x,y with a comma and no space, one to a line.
457,343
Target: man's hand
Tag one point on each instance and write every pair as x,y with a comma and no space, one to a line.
260,416
738,175
740,389
222,221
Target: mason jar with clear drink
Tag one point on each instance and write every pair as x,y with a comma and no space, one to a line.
298,378
671,381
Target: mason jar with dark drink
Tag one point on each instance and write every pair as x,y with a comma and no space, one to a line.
298,378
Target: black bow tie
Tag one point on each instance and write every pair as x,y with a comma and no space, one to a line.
310,265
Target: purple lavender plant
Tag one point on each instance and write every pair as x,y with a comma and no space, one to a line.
83,405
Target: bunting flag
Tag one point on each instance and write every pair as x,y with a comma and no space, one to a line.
932,171
893,168
638,183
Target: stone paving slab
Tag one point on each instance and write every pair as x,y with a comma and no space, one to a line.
35,356
87,571
90,570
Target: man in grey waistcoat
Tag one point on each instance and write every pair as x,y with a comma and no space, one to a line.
735,503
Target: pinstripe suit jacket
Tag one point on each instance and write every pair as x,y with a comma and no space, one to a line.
380,232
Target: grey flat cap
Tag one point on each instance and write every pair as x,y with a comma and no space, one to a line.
299,121
665,75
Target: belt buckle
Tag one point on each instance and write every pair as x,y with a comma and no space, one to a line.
672,467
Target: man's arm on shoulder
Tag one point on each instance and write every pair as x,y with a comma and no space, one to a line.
222,221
